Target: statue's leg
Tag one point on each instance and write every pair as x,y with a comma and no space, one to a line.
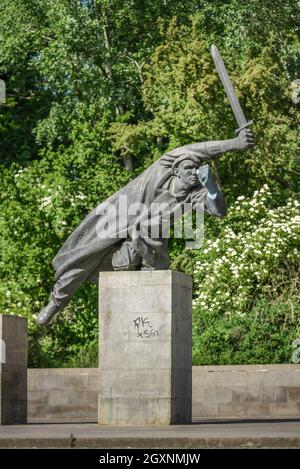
64,289
160,259
126,257
67,285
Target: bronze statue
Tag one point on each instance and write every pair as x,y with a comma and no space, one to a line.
115,237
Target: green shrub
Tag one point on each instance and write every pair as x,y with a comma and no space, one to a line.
246,283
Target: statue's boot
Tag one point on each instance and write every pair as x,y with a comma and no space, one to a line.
45,316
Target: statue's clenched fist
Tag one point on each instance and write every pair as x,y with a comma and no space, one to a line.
244,140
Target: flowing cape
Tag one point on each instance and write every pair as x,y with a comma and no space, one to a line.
98,233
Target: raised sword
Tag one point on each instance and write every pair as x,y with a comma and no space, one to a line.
229,90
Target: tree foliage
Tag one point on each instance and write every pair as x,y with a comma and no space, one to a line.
96,91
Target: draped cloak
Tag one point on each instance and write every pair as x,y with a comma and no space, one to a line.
98,235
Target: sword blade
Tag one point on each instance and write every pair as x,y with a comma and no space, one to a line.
231,95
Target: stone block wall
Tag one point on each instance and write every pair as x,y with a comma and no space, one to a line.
13,370
63,393
246,391
241,391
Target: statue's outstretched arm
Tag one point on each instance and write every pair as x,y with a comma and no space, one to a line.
211,150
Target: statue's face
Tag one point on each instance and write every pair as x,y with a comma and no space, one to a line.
186,172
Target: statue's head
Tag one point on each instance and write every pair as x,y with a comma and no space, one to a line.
185,169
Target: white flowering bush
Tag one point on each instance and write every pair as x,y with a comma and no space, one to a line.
253,242
247,261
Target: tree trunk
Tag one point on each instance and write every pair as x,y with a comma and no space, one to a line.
120,109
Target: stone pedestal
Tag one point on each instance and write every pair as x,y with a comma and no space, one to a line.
145,355
13,370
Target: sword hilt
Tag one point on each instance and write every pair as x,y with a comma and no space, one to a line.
247,124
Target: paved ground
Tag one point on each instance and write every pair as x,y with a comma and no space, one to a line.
203,434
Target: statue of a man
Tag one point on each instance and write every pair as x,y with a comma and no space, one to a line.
119,239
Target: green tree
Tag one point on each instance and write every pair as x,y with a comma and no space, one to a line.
71,69
99,87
